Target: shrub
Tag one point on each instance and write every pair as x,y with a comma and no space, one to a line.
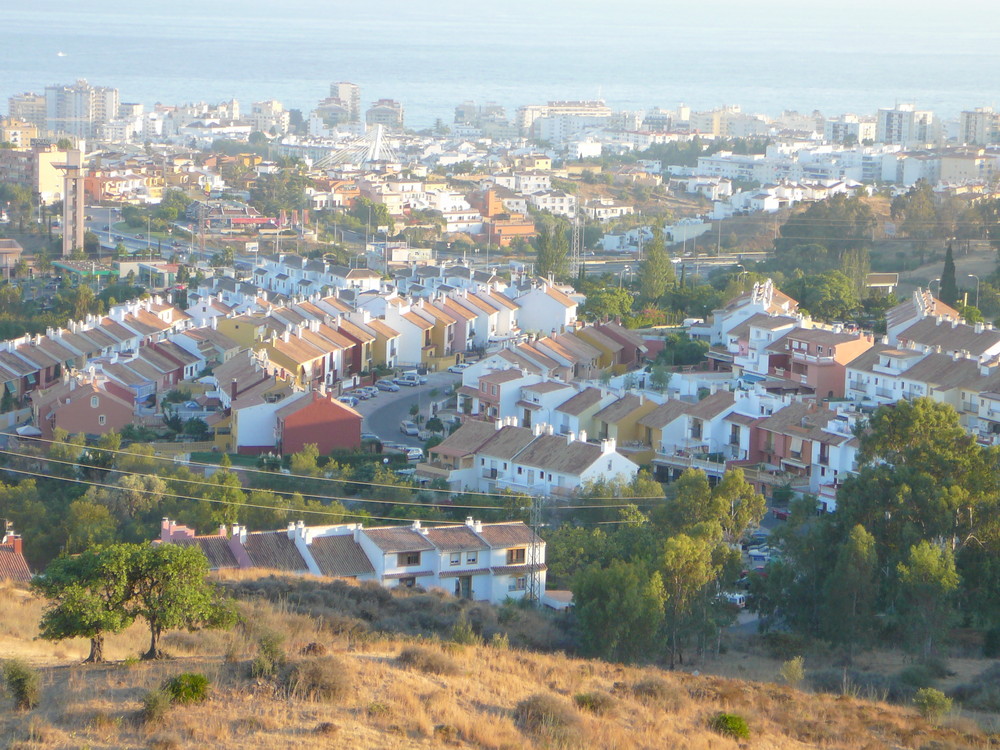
991,643
463,633
652,687
916,675
23,683
545,713
730,725
324,678
188,687
155,705
270,657
932,703
500,642
428,660
792,671
596,701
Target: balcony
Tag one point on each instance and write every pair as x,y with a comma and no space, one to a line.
855,385
489,473
813,359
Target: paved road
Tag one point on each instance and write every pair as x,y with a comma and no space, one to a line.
384,412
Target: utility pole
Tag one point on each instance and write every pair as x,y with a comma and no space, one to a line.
534,592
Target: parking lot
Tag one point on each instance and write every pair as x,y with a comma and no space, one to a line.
384,412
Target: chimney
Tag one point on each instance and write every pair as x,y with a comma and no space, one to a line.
233,389
954,323
498,424
570,437
291,530
514,422
536,429
549,429
469,521
582,437
979,328
284,335
416,526
15,542
478,527
165,528
608,446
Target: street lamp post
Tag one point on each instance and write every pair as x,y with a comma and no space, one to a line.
973,276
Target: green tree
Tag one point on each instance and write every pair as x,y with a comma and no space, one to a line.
170,591
552,251
88,525
656,272
926,581
88,596
687,570
659,378
608,303
948,290
852,592
740,506
827,296
620,610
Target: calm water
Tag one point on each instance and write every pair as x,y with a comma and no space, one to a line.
768,55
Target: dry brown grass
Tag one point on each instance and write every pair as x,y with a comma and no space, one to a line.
393,706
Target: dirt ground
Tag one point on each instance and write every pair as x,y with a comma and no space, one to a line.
981,261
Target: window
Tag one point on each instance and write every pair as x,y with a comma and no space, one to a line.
518,584
407,559
515,556
95,401
408,582
455,558
101,419
471,558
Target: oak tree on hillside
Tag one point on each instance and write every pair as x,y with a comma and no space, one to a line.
170,591
88,596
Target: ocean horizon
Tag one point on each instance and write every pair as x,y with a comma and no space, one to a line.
432,56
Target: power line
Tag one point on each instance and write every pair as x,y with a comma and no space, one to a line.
92,483
313,495
320,479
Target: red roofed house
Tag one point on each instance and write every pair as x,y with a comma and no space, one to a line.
83,403
13,566
320,419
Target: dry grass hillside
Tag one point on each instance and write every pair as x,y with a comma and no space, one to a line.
339,689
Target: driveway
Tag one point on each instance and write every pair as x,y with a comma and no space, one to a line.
384,412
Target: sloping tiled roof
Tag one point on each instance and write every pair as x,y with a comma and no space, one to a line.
553,453
275,551
455,539
398,539
466,439
340,556
514,534
13,566
579,403
216,549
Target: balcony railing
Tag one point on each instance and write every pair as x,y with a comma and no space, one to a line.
489,473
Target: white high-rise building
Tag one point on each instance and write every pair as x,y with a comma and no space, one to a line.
979,127
905,125
349,95
79,109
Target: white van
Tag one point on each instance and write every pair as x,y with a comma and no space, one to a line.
739,600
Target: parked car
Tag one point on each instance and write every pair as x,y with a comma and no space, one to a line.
370,390
360,393
410,380
409,428
369,436
416,374
414,454
349,400
386,385
460,368
735,598
192,405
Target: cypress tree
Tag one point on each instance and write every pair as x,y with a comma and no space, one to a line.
948,290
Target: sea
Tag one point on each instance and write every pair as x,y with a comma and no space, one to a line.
768,56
